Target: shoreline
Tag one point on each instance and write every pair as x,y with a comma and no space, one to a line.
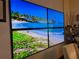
28,32
54,39
16,21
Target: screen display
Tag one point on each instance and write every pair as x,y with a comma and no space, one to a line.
27,15
28,42
56,26
47,28
55,18
56,36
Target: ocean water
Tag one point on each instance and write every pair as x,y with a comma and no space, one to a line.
29,25
56,36
16,25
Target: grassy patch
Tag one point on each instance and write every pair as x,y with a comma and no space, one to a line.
22,41
21,54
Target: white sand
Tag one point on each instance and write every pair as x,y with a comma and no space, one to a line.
16,21
53,38
33,34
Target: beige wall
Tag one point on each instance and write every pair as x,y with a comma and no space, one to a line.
74,10
71,9
1,10
5,46
5,50
67,12
54,4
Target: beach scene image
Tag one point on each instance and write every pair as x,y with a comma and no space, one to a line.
28,42
56,36
55,18
27,15
56,27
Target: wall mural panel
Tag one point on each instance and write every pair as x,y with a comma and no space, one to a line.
34,28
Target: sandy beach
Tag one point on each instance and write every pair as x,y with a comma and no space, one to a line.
53,38
56,39
16,21
33,34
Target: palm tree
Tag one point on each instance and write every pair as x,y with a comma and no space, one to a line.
13,15
17,14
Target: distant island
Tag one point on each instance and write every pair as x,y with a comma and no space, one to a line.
24,17
28,18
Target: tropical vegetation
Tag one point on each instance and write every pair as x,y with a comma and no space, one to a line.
25,45
29,18
24,17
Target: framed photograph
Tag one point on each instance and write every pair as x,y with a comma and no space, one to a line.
2,10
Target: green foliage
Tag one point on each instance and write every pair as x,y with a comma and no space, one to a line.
21,40
21,55
17,16
24,41
38,45
17,36
41,45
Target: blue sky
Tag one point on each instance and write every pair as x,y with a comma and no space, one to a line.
56,15
31,9
28,8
